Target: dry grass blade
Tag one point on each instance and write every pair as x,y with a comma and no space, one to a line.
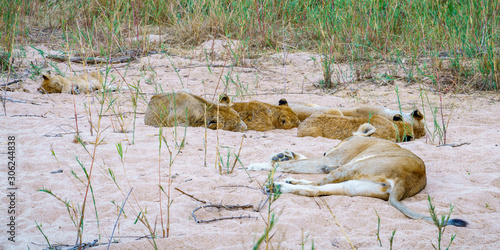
121,210
338,224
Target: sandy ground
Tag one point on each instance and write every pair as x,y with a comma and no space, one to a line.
467,176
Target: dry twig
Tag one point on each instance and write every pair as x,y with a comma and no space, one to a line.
227,207
454,144
192,197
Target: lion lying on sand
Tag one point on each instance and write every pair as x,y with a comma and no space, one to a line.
262,116
414,119
185,109
357,166
342,127
86,83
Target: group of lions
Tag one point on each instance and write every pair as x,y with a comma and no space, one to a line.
186,109
367,162
182,108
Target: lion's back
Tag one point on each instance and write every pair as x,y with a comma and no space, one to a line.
262,116
342,127
170,108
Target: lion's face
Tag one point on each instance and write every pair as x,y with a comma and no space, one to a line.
51,84
404,130
228,120
418,124
287,118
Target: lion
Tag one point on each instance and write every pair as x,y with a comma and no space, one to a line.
185,109
342,127
306,109
358,166
415,118
260,116
86,83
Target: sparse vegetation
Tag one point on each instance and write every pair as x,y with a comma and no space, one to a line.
440,223
442,45
272,192
455,38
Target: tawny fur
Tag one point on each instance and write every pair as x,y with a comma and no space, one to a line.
86,83
306,109
261,116
185,109
357,166
342,127
415,118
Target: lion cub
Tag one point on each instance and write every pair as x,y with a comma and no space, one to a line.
415,118
342,127
86,83
262,116
306,109
185,109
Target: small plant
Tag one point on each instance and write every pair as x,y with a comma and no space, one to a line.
440,223
440,125
70,207
39,227
5,63
272,192
226,165
391,240
327,61
401,113
378,229
303,241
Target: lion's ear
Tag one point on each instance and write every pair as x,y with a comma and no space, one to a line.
397,118
283,102
224,99
417,115
365,130
46,76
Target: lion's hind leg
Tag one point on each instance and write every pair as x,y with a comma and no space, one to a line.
294,181
350,188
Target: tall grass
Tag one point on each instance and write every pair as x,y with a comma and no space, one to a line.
465,32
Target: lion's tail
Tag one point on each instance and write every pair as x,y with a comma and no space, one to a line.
365,130
394,201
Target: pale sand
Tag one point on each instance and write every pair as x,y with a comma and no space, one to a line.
467,176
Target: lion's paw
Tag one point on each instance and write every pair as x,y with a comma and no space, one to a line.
278,187
283,187
291,180
286,155
272,188
259,166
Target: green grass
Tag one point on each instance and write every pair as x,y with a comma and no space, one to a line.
463,34
420,38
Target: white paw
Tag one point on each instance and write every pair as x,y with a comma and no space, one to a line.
291,180
286,155
259,166
284,187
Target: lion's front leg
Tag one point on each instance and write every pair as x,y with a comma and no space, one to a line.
290,162
278,158
287,155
